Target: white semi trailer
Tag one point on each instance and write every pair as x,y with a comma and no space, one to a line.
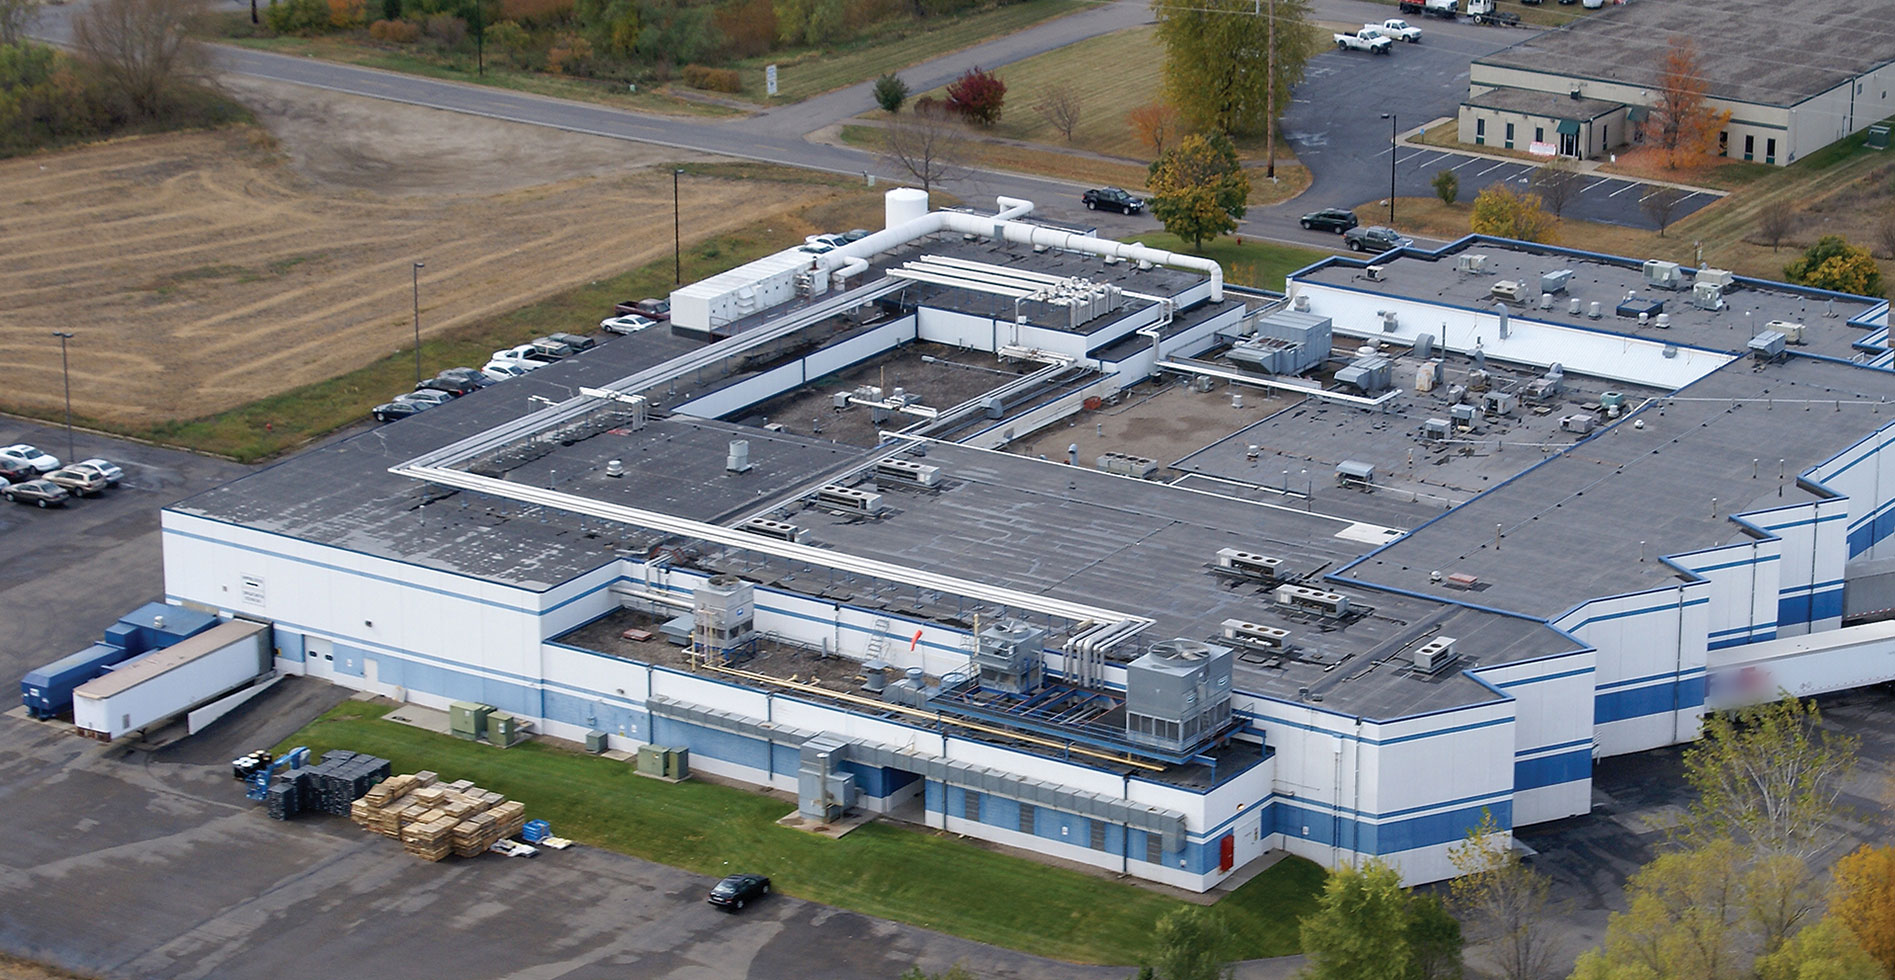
173,680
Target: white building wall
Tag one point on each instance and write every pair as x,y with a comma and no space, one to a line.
1745,586
1553,734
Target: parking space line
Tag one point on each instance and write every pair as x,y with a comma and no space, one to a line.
1491,169
1622,190
1602,180
1411,156
1437,159
1466,162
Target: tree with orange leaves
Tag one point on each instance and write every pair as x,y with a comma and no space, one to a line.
1864,899
1681,123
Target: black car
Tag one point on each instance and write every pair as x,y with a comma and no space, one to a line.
46,493
468,375
18,472
1374,238
1111,199
1337,220
574,341
731,893
397,410
453,386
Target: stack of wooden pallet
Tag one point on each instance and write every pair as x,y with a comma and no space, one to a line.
434,819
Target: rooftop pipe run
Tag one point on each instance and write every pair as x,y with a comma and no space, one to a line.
852,257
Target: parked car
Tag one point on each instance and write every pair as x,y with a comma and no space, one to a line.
575,341
17,471
731,893
506,370
656,309
111,472
1337,220
1111,199
453,386
1374,238
466,373
77,481
857,234
45,493
23,453
627,324
395,410
833,241
426,396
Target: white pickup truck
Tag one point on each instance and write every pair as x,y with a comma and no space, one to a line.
1398,29
1370,39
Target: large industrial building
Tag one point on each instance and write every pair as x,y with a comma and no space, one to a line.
1794,79
1493,513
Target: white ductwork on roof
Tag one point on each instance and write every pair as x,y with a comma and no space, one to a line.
843,261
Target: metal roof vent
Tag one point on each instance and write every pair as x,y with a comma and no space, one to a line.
739,459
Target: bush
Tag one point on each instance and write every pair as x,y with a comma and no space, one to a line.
297,16
890,93
569,52
1447,186
447,29
712,79
1833,263
395,31
535,13
508,38
977,96
347,14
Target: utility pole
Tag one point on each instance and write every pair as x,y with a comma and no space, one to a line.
417,282
71,455
1269,122
677,232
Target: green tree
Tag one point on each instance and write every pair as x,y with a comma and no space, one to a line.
1447,186
1833,263
1199,188
14,15
611,25
1508,905
1499,211
1359,930
510,38
1826,950
1780,892
1230,64
1864,900
1767,777
1190,943
890,93
1434,940
1685,921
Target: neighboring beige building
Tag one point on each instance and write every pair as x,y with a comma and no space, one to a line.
1795,77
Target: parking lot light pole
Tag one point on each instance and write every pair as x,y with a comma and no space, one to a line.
71,455
1392,147
417,282
677,232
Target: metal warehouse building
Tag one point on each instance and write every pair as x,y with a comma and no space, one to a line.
1463,549
1795,79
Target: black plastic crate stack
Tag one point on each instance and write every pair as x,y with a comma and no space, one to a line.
341,778
283,798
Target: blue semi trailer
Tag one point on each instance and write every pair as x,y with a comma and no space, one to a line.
47,691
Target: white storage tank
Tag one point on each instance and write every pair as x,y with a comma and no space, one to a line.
173,680
902,205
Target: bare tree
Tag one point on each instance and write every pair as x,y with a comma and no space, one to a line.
1509,906
142,48
1661,205
928,143
1557,182
1775,223
1060,106
13,17
1885,236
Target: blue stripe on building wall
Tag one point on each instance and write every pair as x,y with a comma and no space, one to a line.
1549,770
1328,829
1811,608
1662,608
1609,706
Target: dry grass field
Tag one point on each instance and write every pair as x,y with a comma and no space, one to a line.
200,271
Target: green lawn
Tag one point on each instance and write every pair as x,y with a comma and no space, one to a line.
889,47
928,879
1252,263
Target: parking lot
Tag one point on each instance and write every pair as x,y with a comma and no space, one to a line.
1595,197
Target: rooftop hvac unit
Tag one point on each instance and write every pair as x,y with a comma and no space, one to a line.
1315,600
1375,273
1428,375
1436,430
1792,332
1461,414
1010,657
1470,263
1555,281
1389,320
1660,274
1767,345
1125,464
1257,637
1368,375
1250,563
1707,296
1177,697
1721,278
1497,403
1435,655
1611,399
739,459
849,499
1301,303
1513,291
766,527
1578,424
1542,390
908,471
1355,473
